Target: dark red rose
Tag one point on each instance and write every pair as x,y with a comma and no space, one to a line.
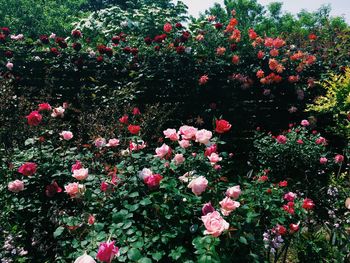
134,51
34,118
185,36
27,169
61,42
127,50
160,38
54,51
109,51
76,34
116,40
9,54
178,25
44,39
52,189
218,26
233,47
5,30
148,40
180,49
157,48
134,129
2,38
76,46
99,59
222,126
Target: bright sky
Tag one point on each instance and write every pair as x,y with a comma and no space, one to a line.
339,7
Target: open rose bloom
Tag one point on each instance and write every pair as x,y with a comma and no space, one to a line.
214,224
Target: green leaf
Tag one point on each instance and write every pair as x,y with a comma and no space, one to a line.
145,260
59,230
134,254
243,240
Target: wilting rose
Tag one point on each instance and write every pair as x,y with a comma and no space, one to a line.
58,112
207,208
198,185
228,205
214,158
171,134
203,136
222,126
15,186
188,132
107,251
179,158
152,181
85,259
113,142
100,142
52,189
134,129
338,158
214,224
66,135
44,107
163,151
234,192
34,118
81,174
27,169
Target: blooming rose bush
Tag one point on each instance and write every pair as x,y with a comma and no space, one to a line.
124,201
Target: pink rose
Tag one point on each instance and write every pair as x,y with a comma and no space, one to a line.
207,208
76,166
305,123
113,142
214,158
91,220
163,151
15,186
85,259
188,132
290,196
179,158
73,189
338,158
214,224
184,143
153,181
211,149
321,140
323,160
281,139
66,135
171,134
228,205
58,112
185,177
34,118
234,192
81,174
198,185
203,136
203,80
9,65
107,251
27,169
145,172
139,145
100,142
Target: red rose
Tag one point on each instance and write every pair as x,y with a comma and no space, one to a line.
180,49
27,169
9,54
222,126
44,39
283,183
34,118
153,180
124,119
5,30
308,204
281,230
294,227
136,111
76,46
44,107
134,129
116,40
148,40
167,27
54,51
76,33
